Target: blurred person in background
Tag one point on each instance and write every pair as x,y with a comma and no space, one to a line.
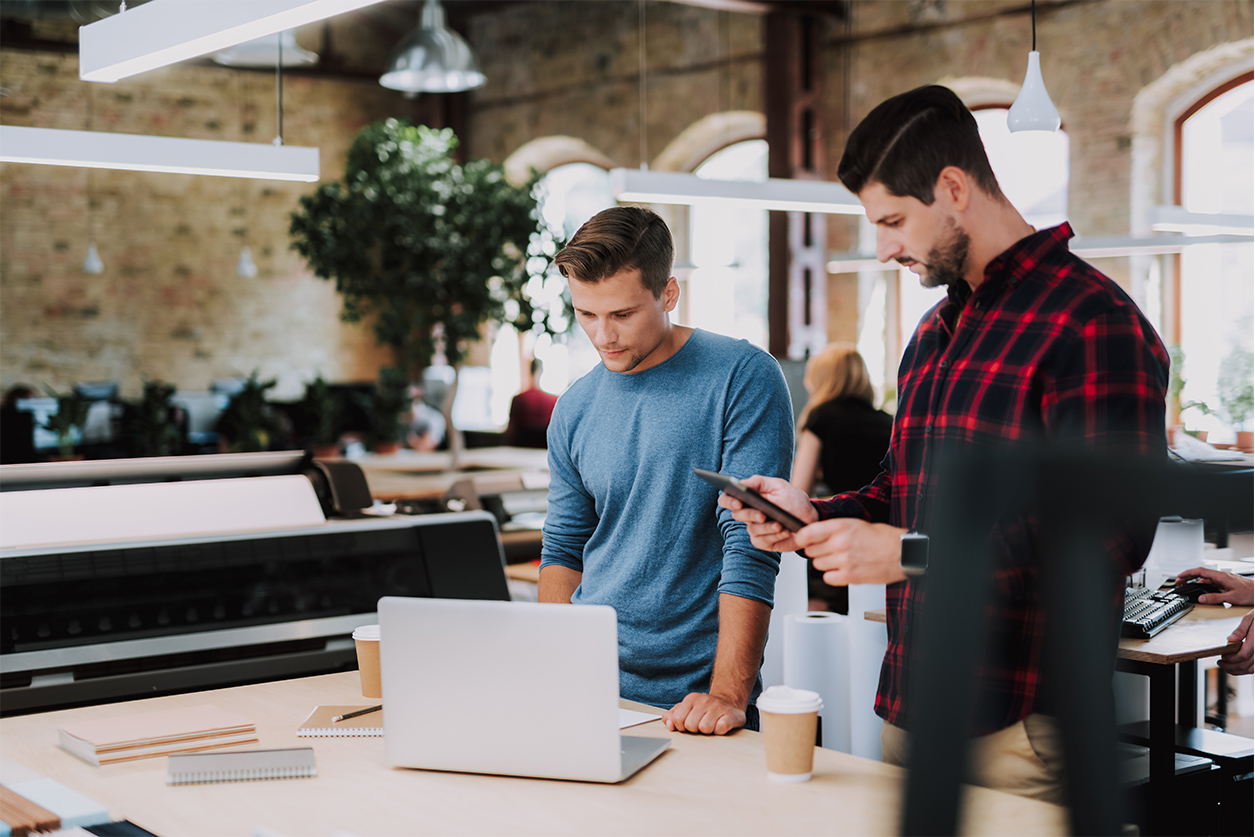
841,440
529,413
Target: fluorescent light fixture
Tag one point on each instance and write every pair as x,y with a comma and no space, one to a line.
1179,219
643,186
1086,248
136,152
163,32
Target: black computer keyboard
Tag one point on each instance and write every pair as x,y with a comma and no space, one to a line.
1147,612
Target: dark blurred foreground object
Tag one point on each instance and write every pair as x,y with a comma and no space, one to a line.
1057,487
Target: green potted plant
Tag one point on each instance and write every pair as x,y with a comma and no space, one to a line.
321,412
68,421
389,409
152,423
1237,393
427,249
248,423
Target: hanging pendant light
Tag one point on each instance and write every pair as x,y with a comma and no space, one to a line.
260,52
433,58
1033,110
246,267
92,264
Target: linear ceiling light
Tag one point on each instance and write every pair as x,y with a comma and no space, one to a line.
136,152
1180,219
1086,248
642,186
163,32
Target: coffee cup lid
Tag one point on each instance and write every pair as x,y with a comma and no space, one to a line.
783,700
366,633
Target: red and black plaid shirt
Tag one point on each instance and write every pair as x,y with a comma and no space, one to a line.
1045,348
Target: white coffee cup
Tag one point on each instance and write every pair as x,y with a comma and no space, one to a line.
789,718
366,638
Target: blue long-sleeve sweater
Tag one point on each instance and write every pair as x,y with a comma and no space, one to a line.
626,509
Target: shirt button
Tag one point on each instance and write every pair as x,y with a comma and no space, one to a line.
943,364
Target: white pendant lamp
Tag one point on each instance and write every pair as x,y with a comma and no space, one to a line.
1033,110
92,264
433,58
246,267
260,52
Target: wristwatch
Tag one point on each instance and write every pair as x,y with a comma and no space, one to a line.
914,558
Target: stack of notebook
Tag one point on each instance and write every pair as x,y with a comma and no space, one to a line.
150,734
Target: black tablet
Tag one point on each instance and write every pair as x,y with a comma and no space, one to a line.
733,488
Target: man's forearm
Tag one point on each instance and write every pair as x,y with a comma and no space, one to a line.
738,655
557,584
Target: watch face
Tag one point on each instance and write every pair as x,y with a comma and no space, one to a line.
914,558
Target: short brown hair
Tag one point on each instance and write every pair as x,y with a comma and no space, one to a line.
907,140
620,238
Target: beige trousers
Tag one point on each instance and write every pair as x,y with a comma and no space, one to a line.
1026,758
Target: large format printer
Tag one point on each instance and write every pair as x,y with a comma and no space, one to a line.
141,577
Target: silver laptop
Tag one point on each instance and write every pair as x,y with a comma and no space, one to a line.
511,688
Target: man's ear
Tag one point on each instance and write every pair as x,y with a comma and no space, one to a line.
954,187
670,294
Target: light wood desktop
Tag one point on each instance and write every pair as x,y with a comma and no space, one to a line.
1203,632
702,785
423,475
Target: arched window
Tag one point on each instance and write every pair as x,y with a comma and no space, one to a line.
723,282
570,194
1032,171
1215,301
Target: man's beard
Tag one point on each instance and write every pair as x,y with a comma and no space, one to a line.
947,260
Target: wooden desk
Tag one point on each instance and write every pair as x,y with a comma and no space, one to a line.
702,785
1169,659
418,475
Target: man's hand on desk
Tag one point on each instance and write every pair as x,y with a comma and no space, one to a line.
1241,661
704,713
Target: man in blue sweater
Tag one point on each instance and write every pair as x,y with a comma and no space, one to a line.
629,524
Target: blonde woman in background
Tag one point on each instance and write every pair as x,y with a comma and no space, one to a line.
841,436
841,439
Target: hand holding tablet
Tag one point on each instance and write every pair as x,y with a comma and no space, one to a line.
733,488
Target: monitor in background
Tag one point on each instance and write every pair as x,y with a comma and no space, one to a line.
42,409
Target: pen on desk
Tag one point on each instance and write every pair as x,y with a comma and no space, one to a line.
348,715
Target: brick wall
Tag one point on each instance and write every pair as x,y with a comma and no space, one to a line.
169,304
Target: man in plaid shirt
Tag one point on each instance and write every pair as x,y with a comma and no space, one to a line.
1030,344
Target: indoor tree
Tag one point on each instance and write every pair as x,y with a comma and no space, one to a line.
428,250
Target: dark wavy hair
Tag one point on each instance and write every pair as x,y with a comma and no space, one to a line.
907,140
620,238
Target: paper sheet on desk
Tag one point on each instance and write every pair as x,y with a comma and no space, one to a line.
630,718
1193,450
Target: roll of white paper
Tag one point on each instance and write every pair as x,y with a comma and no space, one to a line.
868,641
790,598
817,657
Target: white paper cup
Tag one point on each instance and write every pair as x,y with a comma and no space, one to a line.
789,718
366,638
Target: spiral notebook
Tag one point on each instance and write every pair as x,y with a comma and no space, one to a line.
240,766
320,725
